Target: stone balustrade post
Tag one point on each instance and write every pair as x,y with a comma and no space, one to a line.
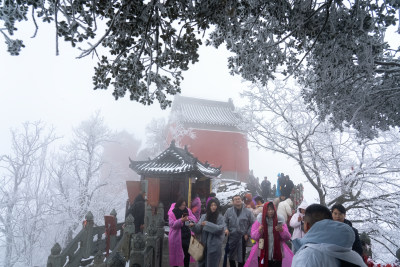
87,239
54,260
160,223
116,260
98,260
113,238
129,230
138,250
151,234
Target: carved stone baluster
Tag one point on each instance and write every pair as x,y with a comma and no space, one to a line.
151,231
160,234
116,260
129,230
98,260
139,248
54,260
87,239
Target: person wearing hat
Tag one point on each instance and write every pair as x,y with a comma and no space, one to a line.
297,221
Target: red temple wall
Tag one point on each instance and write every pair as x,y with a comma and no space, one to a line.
228,149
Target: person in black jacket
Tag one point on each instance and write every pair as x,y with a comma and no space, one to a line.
137,211
266,188
287,187
339,214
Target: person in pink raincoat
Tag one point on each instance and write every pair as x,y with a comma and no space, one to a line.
196,206
179,219
272,228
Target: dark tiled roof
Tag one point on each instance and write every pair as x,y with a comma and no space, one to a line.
174,160
206,112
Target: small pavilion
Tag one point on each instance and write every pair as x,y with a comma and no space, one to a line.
174,173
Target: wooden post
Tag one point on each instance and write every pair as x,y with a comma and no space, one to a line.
153,191
189,193
110,229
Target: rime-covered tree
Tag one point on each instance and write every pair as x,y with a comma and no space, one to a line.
335,48
116,156
360,174
158,131
76,174
24,194
156,138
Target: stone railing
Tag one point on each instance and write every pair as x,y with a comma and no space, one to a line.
89,241
147,248
88,247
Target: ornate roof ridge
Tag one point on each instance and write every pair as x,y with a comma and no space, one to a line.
205,112
185,162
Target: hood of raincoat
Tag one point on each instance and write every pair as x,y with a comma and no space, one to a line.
327,232
280,218
303,205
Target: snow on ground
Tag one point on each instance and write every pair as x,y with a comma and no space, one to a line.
227,188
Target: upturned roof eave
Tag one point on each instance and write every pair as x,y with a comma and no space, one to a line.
183,162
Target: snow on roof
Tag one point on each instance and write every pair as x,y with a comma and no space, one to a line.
174,160
208,112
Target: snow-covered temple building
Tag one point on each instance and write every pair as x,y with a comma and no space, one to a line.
172,174
214,134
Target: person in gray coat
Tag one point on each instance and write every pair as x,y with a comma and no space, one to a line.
238,221
211,227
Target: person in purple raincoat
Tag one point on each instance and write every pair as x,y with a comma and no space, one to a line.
210,196
179,219
196,206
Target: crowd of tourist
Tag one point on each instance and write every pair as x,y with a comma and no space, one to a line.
311,235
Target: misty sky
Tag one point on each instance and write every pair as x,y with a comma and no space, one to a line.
37,85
